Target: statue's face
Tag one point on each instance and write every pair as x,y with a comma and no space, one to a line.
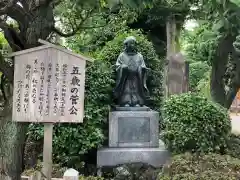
131,46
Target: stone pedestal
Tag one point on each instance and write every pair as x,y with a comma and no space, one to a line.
133,129
133,138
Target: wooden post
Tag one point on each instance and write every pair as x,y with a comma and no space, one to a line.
47,150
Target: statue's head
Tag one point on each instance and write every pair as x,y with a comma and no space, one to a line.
130,44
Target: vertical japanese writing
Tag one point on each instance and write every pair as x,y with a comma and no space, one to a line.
49,80
18,95
75,83
26,88
34,82
56,96
41,95
63,100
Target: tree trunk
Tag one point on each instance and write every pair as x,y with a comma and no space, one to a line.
235,80
217,84
16,168
219,67
38,27
12,142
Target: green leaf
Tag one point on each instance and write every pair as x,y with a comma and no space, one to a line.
237,2
218,25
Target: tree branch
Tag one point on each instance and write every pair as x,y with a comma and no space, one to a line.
3,24
13,38
56,2
24,4
92,27
47,2
6,6
15,11
65,34
79,26
19,14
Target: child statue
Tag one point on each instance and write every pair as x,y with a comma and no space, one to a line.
131,89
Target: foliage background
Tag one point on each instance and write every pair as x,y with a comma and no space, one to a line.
197,71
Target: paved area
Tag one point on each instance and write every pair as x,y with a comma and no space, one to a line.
235,120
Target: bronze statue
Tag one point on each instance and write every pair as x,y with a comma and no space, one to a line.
131,89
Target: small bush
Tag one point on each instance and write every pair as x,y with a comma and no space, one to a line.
90,178
193,123
201,167
234,146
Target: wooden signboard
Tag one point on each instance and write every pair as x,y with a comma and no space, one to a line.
48,85
48,88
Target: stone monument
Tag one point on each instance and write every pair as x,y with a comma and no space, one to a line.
133,127
177,74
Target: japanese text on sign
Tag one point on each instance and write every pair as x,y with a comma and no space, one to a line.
49,90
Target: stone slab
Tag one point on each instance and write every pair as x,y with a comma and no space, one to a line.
110,157
143,108
134,129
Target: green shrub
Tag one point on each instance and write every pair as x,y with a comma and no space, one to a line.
112,50
90,178
73,140
201,167
234,146
197,71
193,123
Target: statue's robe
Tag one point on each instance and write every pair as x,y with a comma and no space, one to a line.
131,86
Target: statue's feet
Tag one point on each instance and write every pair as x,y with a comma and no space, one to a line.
137,105
126,105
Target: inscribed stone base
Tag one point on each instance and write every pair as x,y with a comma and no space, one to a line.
110,157
134,129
